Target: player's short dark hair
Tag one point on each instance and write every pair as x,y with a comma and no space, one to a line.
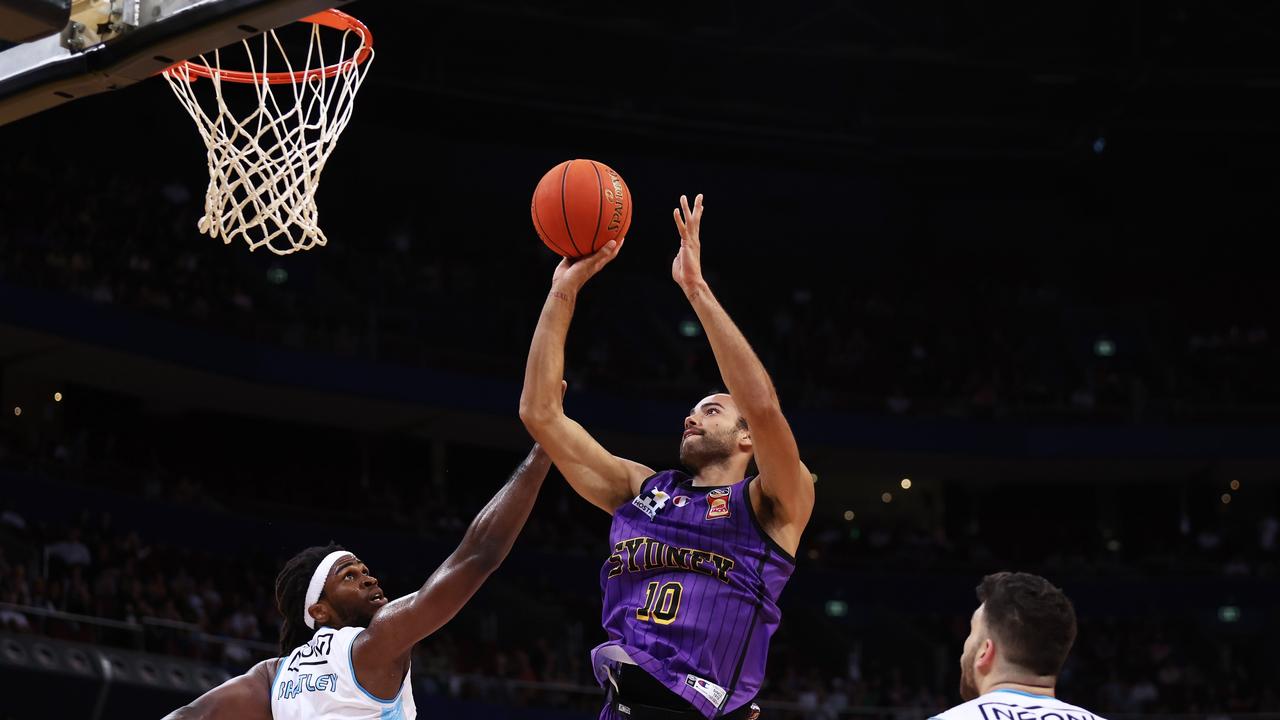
1030,618
291,593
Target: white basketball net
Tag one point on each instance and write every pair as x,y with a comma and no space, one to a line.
264,169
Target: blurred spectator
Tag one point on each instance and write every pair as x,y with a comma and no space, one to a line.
70,551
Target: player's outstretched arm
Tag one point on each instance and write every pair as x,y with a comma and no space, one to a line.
246,697
785,483
603,479
380,654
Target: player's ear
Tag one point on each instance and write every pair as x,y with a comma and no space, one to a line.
321,613
986,656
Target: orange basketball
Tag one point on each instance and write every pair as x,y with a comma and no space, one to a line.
580,205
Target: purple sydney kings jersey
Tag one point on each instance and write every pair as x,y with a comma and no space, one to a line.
691,591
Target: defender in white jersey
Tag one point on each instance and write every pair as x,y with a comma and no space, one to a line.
1019,639
318,680
345,649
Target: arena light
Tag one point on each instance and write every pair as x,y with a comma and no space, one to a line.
848,515
689,328
1226,498
1229,613
17,411
906,483
886,498
57,397
1235,484
837,608
1104,347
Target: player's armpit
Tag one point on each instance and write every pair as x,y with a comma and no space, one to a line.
601,478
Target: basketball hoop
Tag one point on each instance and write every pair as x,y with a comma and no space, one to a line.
264,169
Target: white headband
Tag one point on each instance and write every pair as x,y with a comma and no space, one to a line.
317,584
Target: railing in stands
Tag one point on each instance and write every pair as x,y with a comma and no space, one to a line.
16,616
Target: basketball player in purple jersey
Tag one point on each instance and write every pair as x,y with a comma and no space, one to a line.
698,561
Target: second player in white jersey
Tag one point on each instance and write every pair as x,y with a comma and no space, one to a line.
1019,639
318,680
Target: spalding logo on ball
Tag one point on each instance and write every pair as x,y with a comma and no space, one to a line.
579,206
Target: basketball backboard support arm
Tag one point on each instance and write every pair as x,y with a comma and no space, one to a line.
38,75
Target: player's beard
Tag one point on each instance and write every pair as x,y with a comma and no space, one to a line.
358,616
968,688
699,451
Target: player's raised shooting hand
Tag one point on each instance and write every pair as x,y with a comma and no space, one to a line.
686,269
572,273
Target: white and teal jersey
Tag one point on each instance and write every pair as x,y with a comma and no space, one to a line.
1016,705
317,681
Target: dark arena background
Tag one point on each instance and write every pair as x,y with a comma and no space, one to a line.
1009,267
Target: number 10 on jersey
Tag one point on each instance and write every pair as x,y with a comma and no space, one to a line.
661,603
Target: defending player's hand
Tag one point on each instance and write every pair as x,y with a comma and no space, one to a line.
572,273
686,269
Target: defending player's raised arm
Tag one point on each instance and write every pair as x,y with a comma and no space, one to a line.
600,477
246,697
381,651
784,480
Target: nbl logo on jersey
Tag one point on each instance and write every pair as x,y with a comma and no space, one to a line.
651,502
718,503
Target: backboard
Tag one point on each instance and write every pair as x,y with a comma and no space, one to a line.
109,44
